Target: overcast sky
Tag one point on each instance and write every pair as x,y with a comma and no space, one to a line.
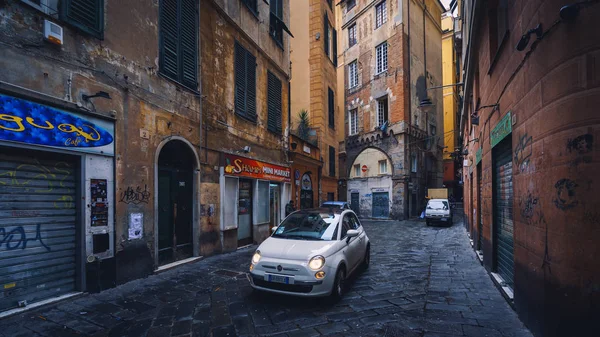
446,3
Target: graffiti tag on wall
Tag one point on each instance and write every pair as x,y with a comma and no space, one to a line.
135,196
523,152
527,205
565,194
17,238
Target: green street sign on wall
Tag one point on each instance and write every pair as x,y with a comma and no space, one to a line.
502,129
478,155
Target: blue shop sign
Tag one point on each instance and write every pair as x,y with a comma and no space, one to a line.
32,123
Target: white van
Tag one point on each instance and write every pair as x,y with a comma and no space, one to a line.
438,210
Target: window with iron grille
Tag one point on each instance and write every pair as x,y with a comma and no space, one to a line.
350,4
382,110
178,41
380,14
245,83
274,103
331,161
381,58
352,35
331,104
252,6
353,121
353,74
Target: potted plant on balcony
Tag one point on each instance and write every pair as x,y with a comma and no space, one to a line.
303,125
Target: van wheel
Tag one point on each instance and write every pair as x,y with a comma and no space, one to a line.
338,285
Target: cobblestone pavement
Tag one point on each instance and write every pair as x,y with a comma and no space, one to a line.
423,281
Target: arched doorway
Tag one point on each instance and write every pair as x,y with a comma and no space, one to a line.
175,202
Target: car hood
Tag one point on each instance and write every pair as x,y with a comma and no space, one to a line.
294,249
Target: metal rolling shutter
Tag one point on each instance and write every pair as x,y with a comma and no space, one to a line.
503,211
37,228
479,215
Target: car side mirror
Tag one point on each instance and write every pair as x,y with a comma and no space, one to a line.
350,234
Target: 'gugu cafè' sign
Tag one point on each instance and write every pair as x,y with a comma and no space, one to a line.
32,123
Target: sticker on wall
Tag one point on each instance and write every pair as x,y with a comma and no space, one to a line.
32,123
135,225
99,204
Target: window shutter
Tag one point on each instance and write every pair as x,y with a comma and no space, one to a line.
274,102
334,47
326,34
189,43
250,85
331,109
87,15
331,161
169,45
240,79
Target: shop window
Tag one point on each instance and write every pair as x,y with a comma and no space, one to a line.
262,202
230,215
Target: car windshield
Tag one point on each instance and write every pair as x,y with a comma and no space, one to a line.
308,226
330,205
437,205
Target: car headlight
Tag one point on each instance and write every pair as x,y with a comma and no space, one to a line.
256,257
316,263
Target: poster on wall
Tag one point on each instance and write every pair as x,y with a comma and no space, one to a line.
99,202
306,182
136,225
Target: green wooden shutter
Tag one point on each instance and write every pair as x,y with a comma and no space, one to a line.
188,41
168,39
331,109
274,103
240,80
334,47
326,34
86,15
251,86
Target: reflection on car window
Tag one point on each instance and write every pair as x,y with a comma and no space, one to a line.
354,221
437,205
346,225
308,226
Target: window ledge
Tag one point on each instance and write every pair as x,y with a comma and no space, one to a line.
179,84
247,119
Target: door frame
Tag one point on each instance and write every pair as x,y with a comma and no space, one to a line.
195,196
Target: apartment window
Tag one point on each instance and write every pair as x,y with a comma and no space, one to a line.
273,103
245,83
413,163
252,6
331,161
382,110
380,14
352,35
381,58
178,41
353,74
353,121
330,196
382,166
331,105
357,170
276,23
498,26
330,40
350,4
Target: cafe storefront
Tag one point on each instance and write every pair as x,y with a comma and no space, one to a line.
253,198
56,199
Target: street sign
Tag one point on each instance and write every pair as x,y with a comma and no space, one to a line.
364,168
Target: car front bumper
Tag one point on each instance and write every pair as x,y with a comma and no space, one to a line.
304,282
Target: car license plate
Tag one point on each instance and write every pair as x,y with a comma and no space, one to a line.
279,279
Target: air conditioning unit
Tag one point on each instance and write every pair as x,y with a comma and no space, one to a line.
53,33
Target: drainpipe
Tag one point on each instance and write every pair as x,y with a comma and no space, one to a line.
406,134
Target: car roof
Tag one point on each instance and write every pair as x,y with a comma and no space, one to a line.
334,202
321,210
438,199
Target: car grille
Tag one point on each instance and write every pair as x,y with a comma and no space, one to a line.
294,288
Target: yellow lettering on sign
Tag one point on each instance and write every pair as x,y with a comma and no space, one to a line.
48,127
13,119
70,128
10,285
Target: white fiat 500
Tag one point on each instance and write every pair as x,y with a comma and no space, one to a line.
311,253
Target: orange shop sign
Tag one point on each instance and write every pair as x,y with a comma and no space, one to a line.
244,167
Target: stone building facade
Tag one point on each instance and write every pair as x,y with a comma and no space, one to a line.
245,166
385,82
314,86
530,127
99,144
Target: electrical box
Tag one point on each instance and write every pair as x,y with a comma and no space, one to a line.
53,33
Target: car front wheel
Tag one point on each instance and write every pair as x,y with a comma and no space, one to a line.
367,258
338,284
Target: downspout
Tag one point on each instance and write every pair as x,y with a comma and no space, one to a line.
406,135
426,79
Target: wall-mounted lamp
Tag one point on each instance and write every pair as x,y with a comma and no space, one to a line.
101,94
524,41
570,12
294,145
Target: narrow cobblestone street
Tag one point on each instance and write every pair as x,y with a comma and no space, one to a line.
423,281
